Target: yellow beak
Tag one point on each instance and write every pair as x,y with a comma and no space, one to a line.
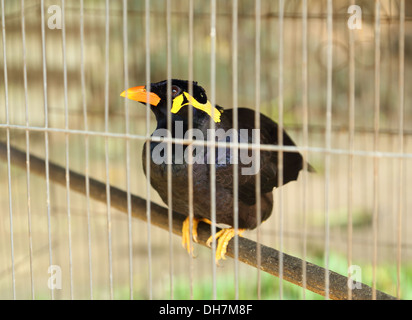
140,94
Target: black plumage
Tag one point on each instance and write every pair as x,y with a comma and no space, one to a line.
202,120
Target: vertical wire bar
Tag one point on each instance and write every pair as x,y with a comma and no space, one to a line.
148,168
67,164
212,149
401,82
190,147
280,143
46,136
375,146
86,144
169,143
235,26
127,129
328,139
305,136
26,105
351,147
6,96
256,141
106,124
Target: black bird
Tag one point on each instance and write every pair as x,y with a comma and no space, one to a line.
203,115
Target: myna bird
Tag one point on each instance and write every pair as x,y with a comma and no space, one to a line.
204,114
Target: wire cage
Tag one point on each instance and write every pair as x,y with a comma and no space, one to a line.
339,89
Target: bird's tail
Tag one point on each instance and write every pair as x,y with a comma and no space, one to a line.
310,168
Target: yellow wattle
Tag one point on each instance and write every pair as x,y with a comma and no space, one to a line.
206,107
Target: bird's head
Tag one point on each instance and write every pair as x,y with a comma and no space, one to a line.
157,97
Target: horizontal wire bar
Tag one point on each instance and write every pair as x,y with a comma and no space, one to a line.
385,17
341,128
219,144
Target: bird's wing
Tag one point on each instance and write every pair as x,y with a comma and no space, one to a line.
248,167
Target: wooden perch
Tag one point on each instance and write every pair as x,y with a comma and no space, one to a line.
292,266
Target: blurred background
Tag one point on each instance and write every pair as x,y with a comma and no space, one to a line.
95,265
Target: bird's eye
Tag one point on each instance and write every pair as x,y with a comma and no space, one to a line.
175,91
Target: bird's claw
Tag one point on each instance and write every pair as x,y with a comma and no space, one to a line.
186,243
223,237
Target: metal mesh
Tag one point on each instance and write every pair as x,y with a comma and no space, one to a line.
296,61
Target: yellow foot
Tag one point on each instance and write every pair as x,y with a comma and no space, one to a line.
186,234
223,237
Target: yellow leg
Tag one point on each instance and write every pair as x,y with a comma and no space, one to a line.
223,237
186,234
